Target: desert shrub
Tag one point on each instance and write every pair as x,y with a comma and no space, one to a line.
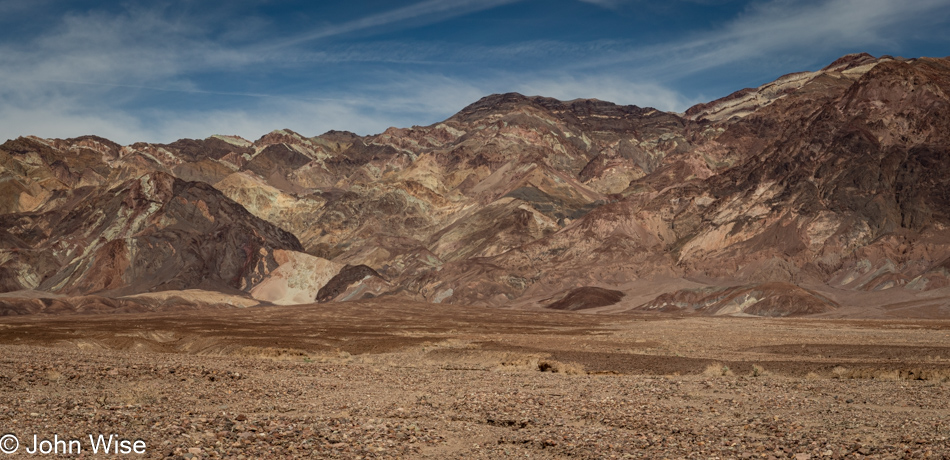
547,365
717,370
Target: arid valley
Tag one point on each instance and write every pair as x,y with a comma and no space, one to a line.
375,379
766,275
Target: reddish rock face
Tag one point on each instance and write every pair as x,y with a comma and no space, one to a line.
587,297
837,179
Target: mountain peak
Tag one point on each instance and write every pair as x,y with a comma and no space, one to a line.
746,101
850,61
495,102
573,110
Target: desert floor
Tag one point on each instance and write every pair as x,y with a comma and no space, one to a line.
401,380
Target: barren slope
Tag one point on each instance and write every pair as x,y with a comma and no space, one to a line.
821,181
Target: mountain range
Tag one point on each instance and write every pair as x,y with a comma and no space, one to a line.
821,193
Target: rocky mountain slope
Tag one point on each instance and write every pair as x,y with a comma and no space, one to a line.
788,197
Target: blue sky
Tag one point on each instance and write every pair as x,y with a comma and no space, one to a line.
158,71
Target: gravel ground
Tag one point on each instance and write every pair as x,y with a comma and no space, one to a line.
468,394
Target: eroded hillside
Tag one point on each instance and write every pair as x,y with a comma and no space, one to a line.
811,188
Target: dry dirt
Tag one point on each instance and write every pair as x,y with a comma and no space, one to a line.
407,380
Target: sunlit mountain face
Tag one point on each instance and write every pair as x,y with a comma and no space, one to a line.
819,190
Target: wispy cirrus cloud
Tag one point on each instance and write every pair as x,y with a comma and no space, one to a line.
423,12
796,29
88,75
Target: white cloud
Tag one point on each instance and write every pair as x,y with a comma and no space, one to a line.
427,11
140,48
56,117
63,84
403,99
409,98
783,27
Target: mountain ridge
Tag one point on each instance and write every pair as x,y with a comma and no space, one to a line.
818,182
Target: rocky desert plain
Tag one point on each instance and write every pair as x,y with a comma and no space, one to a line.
766,275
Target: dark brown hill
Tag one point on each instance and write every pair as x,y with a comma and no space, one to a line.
151,233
